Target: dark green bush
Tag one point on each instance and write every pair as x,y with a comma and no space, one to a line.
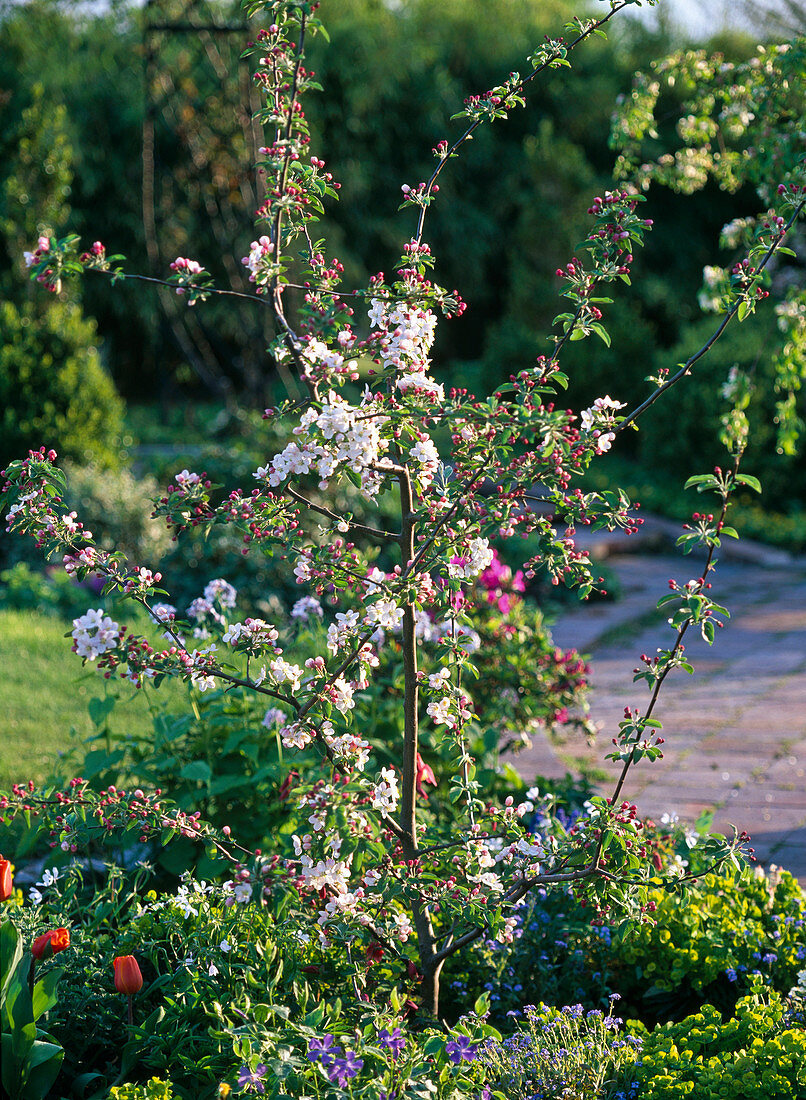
53,388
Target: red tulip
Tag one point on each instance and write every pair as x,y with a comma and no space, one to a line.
6,880
50,943
128,978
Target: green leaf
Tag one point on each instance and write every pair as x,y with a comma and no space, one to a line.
10,955
197,770
43,1067
45,996
434,1045
741,312
748,480
314,1018
602,333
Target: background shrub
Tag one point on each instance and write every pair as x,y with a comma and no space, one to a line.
116,506
53,388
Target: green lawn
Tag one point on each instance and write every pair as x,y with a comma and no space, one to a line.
45,693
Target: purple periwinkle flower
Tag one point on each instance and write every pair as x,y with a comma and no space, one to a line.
324,1050
251,1080
393,1040
345,1068
461,1049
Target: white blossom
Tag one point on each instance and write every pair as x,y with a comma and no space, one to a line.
243,892
94,633
385,793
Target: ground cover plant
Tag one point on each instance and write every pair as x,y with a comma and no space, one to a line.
280,921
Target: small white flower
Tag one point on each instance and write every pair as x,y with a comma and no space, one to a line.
243,892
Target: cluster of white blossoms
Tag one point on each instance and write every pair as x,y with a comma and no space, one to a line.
20,509
406,334
600,412
259,260
251,635
221,590
296,735
714,287
95,633
426,455
319,359
475,558
385,614
282,672
340,632
163,612
599,418
217,591
337,435
340,435
441,709
346,747
791,312
385,794
734,233
330,872
340,693
85,558
185,478
441,712
201,661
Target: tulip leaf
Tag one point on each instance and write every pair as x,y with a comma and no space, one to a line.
45,996
43,1068
10,955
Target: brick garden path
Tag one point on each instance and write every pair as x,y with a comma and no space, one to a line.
736,730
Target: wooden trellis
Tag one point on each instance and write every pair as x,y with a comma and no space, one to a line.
200,142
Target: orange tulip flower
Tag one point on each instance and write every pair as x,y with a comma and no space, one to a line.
128,978
50,943
6,880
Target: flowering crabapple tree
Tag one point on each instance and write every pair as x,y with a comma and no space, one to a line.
371,864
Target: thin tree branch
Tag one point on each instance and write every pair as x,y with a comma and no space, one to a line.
686,368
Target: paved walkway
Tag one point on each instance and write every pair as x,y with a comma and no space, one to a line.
736,730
